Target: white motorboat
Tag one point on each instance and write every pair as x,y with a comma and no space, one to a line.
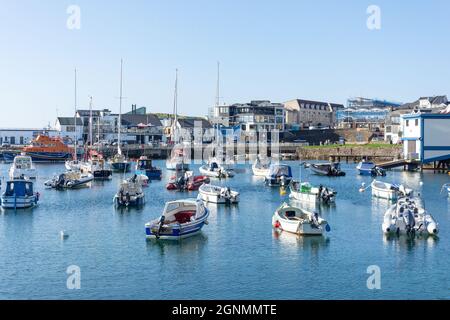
295,220
261,167
130,193
389,191
22,167
19,194
279,175
215,170
217,194
180,219
304,191
70,180
408,216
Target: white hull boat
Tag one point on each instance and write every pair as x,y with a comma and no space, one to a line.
22,167
408,216
180,219
389,191
217,194
260,168
215,170
19,194
305,192
70,180
130,193
299,221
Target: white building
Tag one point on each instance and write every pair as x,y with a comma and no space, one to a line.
426,136
21,136
68,130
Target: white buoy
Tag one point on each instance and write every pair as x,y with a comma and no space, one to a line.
421,183
63,234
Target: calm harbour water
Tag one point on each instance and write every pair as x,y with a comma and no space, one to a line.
237,256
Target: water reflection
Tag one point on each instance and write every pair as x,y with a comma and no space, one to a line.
409,242
291,240
321,208
192,245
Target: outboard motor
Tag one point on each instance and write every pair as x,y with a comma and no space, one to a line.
161,224
61,181
410,222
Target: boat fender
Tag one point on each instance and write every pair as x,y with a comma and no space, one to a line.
327,228
277,224
38,195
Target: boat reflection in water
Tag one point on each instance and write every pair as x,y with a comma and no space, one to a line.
291,240
189,246
411,243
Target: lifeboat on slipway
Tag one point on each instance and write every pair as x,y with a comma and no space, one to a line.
186,181
408,216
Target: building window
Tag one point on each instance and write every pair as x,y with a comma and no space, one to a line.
407,123
417,122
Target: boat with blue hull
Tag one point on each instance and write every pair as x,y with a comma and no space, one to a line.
279,175
145,167
368,168
180,219
19,194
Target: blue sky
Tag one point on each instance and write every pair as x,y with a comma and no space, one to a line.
277,50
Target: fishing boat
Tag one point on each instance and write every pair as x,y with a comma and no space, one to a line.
279,175
446,187
96,166
130,193
22,167
119,163
389,191
215,170
368,168
186,181
261,167
70,180
409,216
218,194
47,149
295,220
304,191
180,219
144,166
19,194
331,169
9,155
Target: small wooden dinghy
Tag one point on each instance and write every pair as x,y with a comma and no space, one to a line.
180,219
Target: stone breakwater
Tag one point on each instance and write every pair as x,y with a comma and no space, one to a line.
347,153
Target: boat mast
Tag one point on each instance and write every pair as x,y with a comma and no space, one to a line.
217,99
75,119
119,124
175,108
90,121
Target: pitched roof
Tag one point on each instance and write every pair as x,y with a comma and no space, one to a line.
135,119
69,121
190,122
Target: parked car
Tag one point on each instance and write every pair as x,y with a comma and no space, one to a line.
6,145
